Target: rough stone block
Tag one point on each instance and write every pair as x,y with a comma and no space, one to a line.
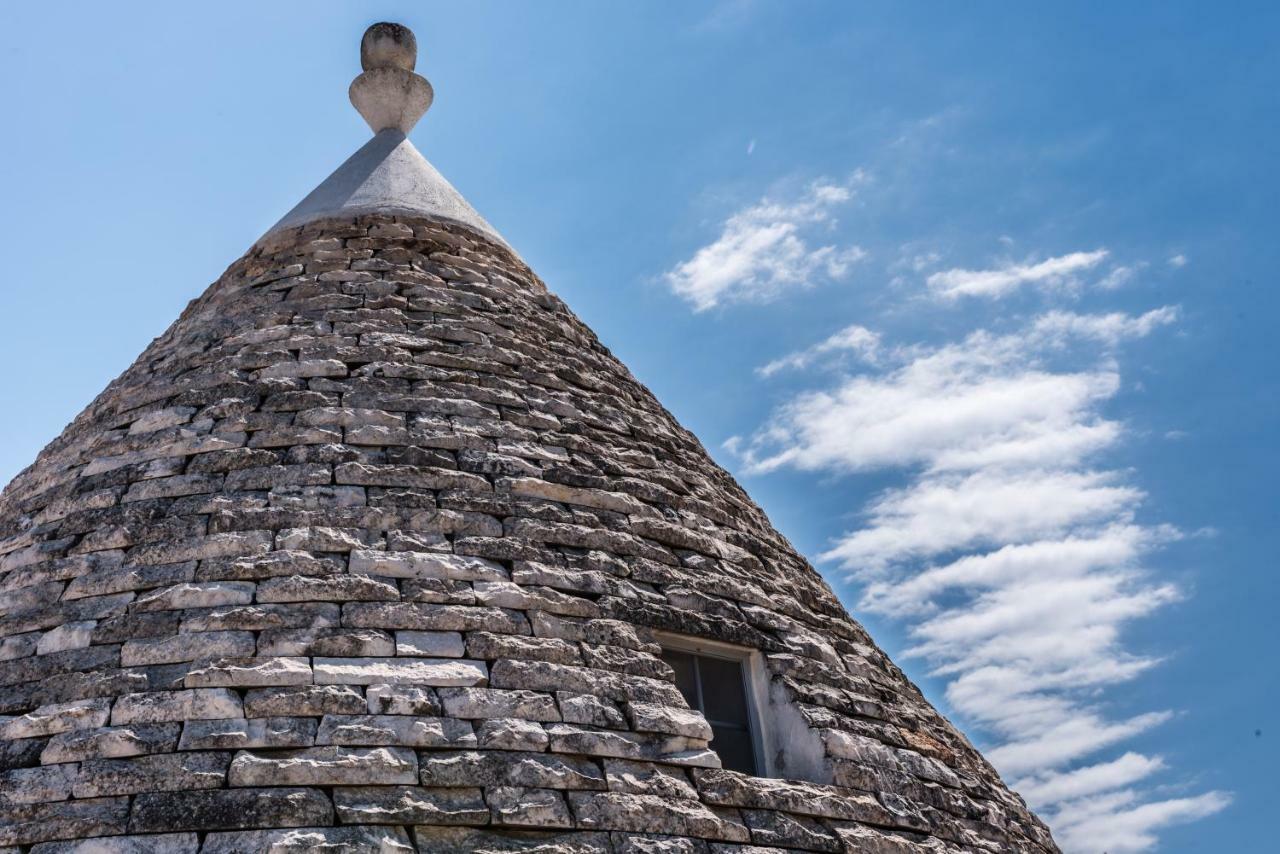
478,703
251,673
161,843
517,807
36,785
530,770
652,814
182,705
325,766
404,730
56,718
430,644
424,671
110,742
314,700
426,565
402,699
25,824
160,773
410,805
242,733
187,647
511,734
332,840
230,809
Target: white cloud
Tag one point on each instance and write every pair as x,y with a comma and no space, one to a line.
1117,824
1178,260
1105,776
999,281
855,339
1014,559
1108,328
764,250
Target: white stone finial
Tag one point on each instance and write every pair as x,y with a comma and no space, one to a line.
388,94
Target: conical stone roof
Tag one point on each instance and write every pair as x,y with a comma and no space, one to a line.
377,549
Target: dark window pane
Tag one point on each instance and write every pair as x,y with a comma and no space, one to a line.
686,676
734,748
723,691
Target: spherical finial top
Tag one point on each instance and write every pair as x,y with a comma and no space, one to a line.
388,46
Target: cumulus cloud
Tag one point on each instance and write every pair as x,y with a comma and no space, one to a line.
853,339
1000,281
1013,557
767,249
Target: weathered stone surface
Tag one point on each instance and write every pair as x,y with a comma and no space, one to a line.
332,840
25,824
426,565
529,770
241,733
643,778
511,734
478,703
160,843
55,718
325,766
251,672
422,671
183,705
652,814
161,773
406,730
313,700
430,644
111,742
647,717
37,785
402,699
410,805
230,809
519,807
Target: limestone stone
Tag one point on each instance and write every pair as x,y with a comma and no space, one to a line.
643,778
406,730
525,770
312,700
402,699
519,807
244,733
110,742
74,635
479,703
430,644
25,824
230,809
37,785
163,772
160,843
410,805
421,671
511,734
647,717
184,705
324,766
56,718
332,840
187,647
425,565
251,672
652,814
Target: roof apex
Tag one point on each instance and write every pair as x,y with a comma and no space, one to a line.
388,175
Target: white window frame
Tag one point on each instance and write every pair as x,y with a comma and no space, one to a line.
755,686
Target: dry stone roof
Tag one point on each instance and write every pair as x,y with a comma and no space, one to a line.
371,551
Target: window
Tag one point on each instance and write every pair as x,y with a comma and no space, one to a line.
717,685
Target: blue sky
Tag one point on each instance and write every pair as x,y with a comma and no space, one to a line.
976,299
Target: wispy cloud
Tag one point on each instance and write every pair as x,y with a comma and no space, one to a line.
999,281
855,340
766,249
1012,556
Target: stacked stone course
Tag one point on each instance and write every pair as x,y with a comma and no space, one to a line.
367,553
